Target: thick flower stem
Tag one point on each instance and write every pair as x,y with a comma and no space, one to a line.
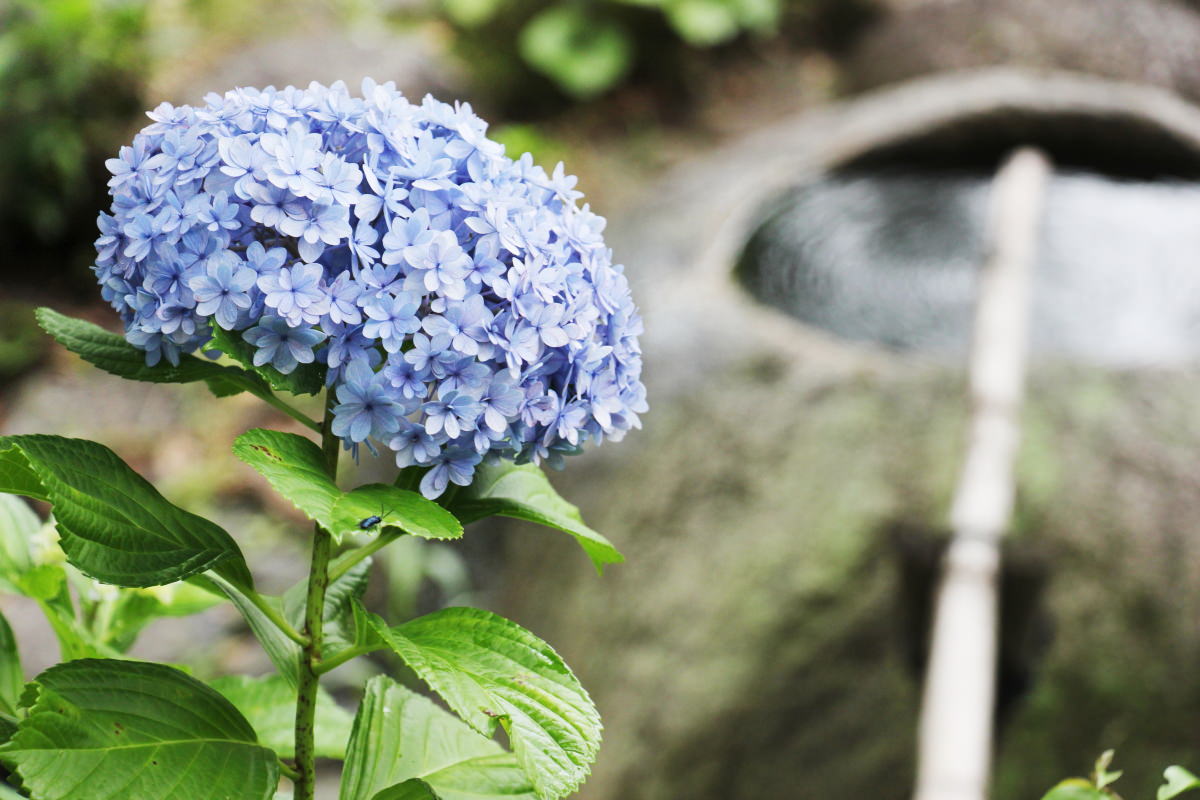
310,655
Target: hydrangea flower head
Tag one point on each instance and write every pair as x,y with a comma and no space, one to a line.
463,306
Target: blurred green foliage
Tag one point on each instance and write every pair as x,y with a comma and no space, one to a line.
70,77
585,47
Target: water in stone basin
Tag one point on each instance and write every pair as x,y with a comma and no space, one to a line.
892,258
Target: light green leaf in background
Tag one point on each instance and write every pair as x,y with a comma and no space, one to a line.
583,53
269,704
12,679
114,525
115,730
522,491
1178,781
424,742
1076,789
18,524
491,670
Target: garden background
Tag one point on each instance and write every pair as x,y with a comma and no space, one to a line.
783,511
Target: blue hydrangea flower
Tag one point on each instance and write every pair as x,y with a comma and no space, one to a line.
462,305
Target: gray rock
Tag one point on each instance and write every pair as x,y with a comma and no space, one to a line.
782,509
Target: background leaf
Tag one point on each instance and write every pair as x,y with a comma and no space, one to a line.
489,669
117,730
114,525
1076,789
12,680
522,491
269,704
18,524
426,742
584,53
1178,781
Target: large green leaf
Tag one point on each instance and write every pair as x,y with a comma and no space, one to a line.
125,730
1178,781
295,467
522,491
422,741
489,669
269,703
409,790
12,679
114,525
111,353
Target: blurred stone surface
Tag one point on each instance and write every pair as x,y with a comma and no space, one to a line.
333,53
764,637
1151,42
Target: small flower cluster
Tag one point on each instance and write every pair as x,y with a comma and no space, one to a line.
463,305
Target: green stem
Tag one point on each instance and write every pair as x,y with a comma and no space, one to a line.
288,771
346,562
272,613
295,413
314,628
349,654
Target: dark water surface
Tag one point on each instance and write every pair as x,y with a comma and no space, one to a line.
892,258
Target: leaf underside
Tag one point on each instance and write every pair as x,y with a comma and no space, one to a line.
522,491
426,744
491,670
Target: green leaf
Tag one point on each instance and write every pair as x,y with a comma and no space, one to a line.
114,525
116,730
1178,781
489,669
283,652
1076,789
295,467
401,509
704,22
582,52
269,703
305,379
409,790
12,679
9,793
111,353
522,491
427,743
